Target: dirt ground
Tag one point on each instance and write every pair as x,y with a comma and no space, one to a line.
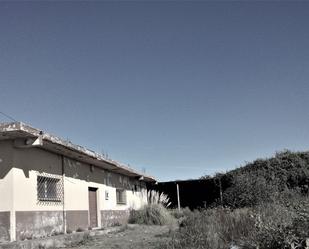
131,237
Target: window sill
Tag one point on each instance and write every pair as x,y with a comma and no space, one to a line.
48,200
121,203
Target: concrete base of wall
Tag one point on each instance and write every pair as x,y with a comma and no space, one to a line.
38,224
77,219
4,226
59,241
114,217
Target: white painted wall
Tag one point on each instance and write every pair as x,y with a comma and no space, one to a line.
28,163
6,192
6,176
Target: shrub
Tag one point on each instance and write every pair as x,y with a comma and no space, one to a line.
263,180
151,214
182,213
248,190
155,197
282,224
214,229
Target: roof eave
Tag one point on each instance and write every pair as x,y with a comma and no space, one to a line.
67,148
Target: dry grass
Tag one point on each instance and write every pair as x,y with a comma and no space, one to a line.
182,213
213,229
268,226
151,214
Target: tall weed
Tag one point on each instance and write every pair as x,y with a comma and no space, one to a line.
276,225
151,214
213,229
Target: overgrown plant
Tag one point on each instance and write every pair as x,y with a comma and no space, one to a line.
151,214
155,197
266,180
213,229
264,205
268,226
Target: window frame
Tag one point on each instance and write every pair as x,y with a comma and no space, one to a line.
121,196
44,193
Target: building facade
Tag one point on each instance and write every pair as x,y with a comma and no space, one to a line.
49,186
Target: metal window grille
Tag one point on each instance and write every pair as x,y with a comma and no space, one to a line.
49,188
121,196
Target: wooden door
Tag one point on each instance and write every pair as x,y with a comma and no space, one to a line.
93,209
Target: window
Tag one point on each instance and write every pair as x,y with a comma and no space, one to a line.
121,196
49,189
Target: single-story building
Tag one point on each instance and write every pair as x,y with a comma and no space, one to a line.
49,185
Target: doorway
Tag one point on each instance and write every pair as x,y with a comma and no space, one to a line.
93,207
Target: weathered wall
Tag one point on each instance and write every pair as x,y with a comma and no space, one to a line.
114,217
80,176
6,176
35,224
76,219
19,169
28,164
6,189
4,226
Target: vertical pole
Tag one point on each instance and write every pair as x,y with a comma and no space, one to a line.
221,195
178,197
63,180
12,211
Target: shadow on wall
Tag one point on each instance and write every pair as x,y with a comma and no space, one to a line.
45,164
39,160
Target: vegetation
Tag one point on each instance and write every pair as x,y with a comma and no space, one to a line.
155,197
277,226
266,180
182,213
264,205
155,212
151,214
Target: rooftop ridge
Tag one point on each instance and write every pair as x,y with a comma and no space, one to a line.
20,126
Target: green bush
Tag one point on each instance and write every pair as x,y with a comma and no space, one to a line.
151,214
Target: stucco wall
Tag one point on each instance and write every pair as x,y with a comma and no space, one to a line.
29,163
19,169
6,189
6,175
36,224
114,217
79,176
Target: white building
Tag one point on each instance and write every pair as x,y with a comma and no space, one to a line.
49,185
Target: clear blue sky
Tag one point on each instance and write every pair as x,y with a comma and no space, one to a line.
182,89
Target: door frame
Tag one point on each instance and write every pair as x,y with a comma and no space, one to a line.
96,190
